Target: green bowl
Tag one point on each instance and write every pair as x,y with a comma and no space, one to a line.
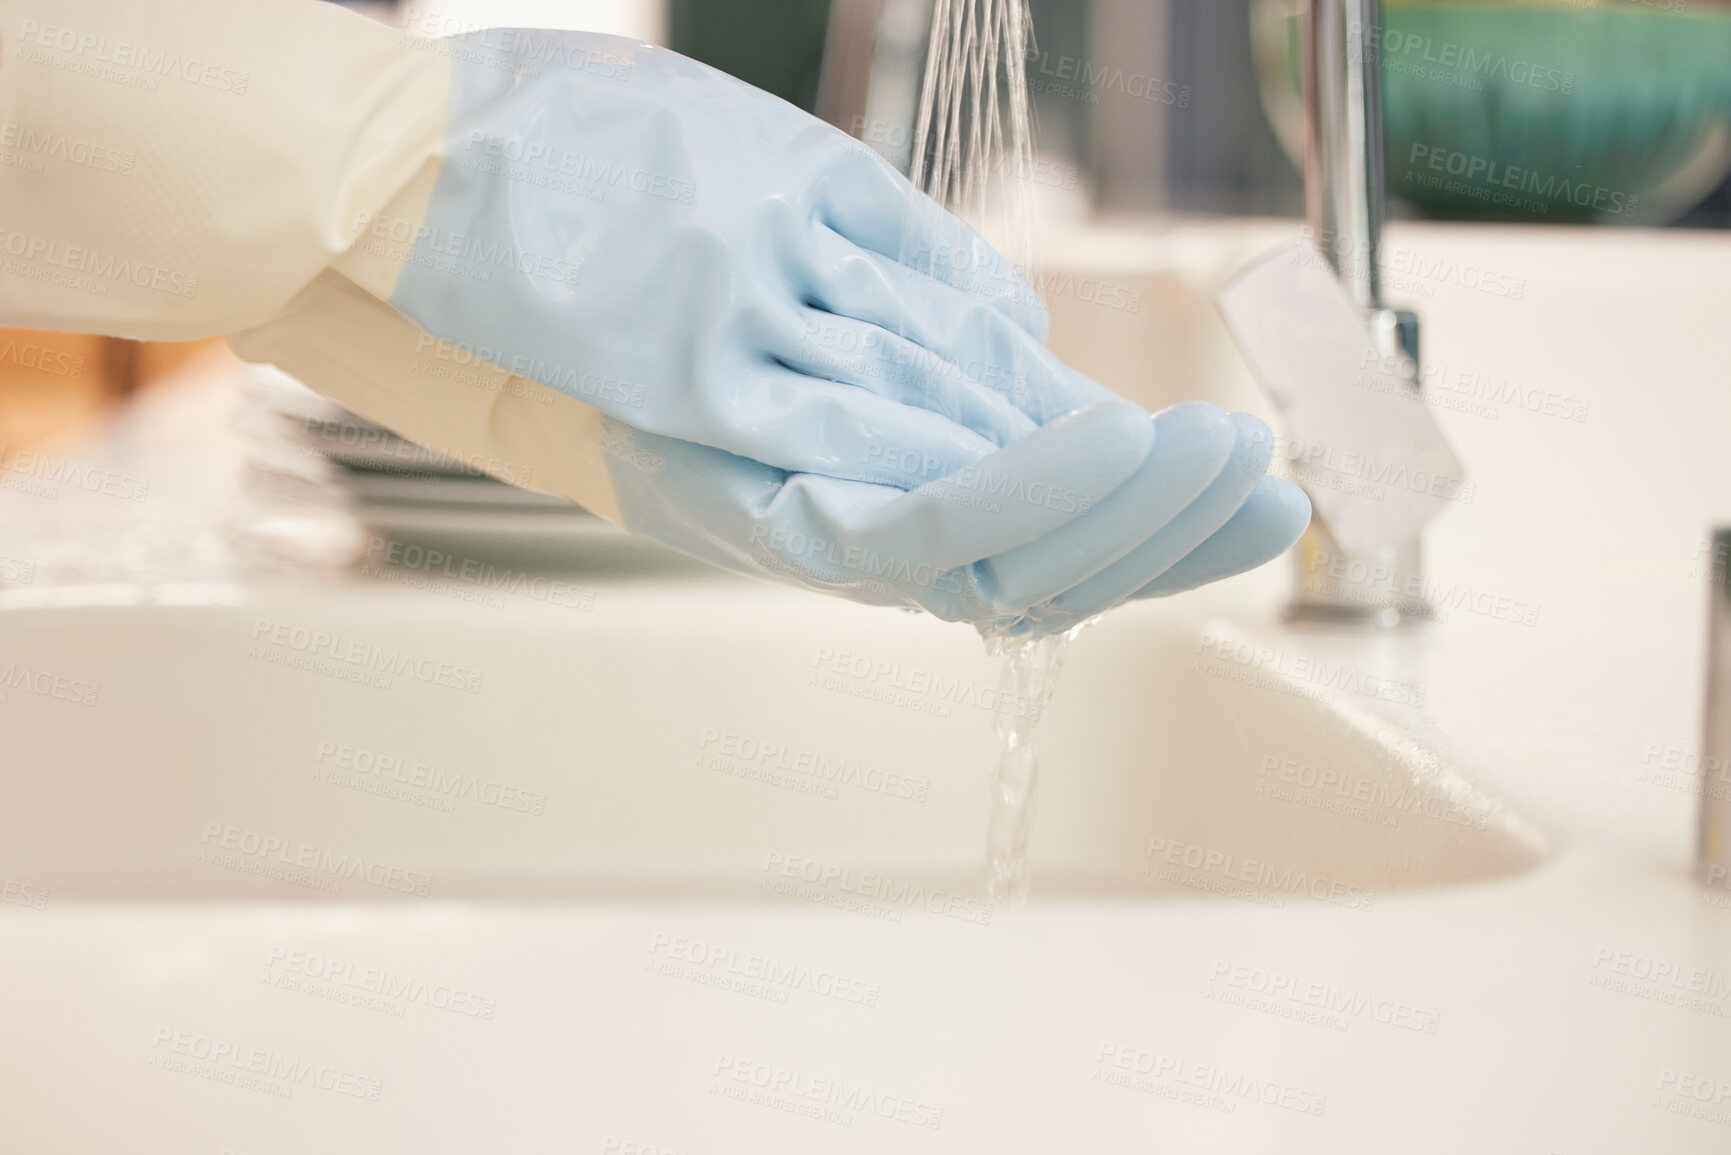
1547,111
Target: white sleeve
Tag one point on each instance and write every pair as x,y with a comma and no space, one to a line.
182,168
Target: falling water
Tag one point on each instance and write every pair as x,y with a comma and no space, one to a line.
1026,679
974,150
974,135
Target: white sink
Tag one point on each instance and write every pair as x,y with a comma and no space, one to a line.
699,735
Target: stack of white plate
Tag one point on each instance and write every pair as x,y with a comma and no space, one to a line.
305,448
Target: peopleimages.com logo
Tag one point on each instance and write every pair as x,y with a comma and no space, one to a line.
255,1068
803,1091
47,684
884,895
139,65
276,641
1489,179
230,845
1193,865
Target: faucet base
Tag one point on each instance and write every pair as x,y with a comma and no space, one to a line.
1387,617
1381,588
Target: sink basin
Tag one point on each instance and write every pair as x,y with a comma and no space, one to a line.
696,736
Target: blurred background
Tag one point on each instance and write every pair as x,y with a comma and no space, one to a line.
1608,113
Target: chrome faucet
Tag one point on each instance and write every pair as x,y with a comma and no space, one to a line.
1345,206
1713,860
1341,366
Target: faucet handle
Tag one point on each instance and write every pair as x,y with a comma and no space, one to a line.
1714,854
1358,435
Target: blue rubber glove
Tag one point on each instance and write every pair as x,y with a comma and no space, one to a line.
1236,520
808,367
1199,509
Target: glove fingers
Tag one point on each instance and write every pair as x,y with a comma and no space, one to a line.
872,205
1196,524
802,424
747,517
988,346
1193,442
861,354
870,542
1268,525
1018,494
882,546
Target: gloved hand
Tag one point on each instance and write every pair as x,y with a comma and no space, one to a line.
1198,509
755,301
811,371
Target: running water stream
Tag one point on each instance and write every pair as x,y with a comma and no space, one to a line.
1028,675
974,150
